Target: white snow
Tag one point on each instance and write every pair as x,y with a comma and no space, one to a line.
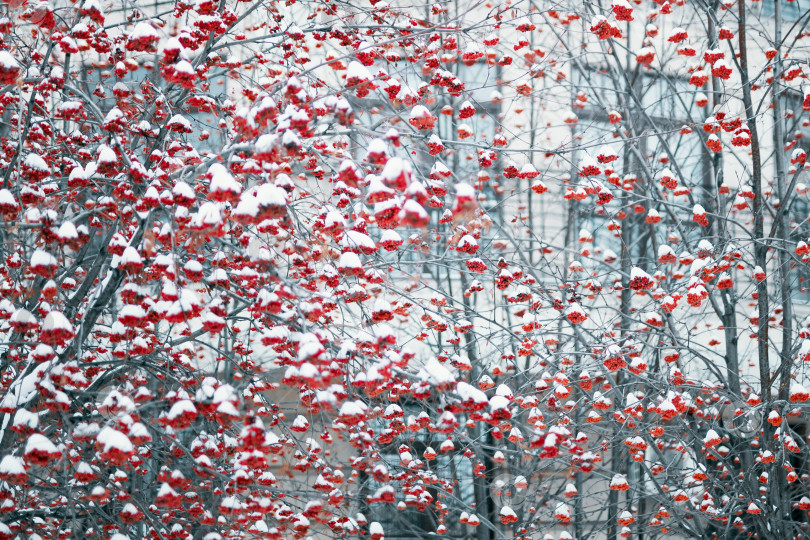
349,260
131,256
208,215
106,154
25,418
465,191
113,439
271,195
35,161
468,392
419,112
6,198
132,310
356,240
183,66
184,190
67,231
395,167
413,207
179,119
43,258
222,180
143,30
56,321
40,443
353,408
12,465
182,407
435,374
7,61
638,273
114,115
357,71
390,235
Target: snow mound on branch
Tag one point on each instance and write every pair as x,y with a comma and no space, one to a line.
180,408
113,439
435,374
357,71
67,231
353,408
35,162
182,121
356,240
183,66
7,61
12,466
25,418
56,321
43,258
468,392
114,115
222,180
143,30
39,443
24,389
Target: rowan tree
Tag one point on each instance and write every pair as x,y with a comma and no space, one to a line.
522,269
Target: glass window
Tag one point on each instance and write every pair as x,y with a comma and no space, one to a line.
200,121
796,130
791,9
419,519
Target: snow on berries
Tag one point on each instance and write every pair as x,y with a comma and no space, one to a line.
143,38
421,118
466,110
34,168
604,29
645,56
699,78
619,483
622,10
639,279
9,68
56,329
12,470
576,314
39,450
268,264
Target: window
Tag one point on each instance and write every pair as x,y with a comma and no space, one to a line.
796,124
791,9
801,232
801,465
668,104
200,120
419,518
